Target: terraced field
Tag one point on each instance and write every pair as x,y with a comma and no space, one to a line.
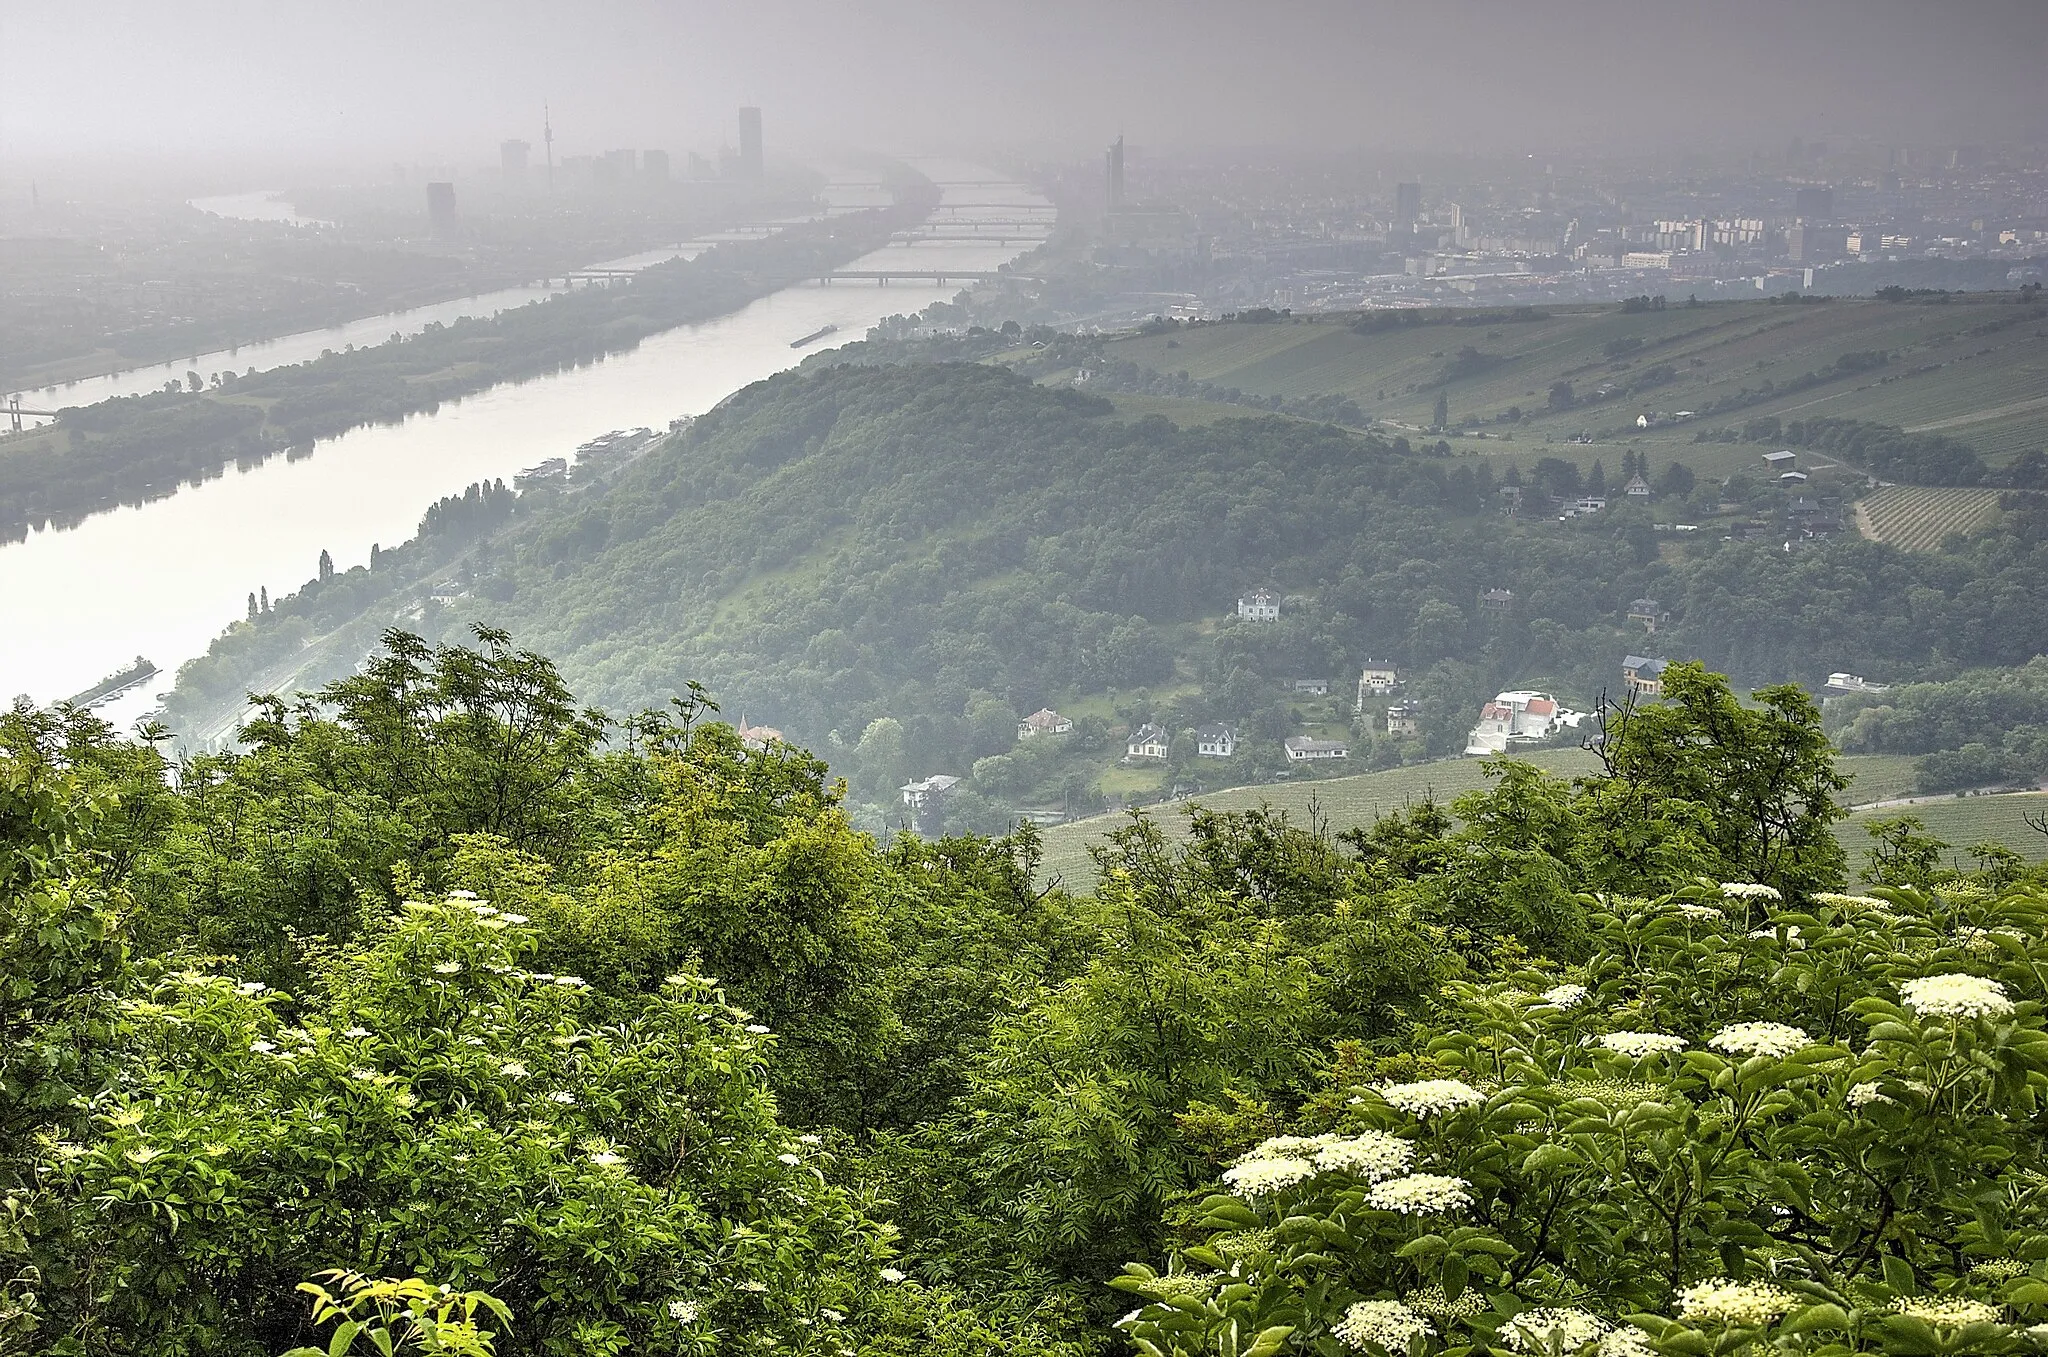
1976,367
1343,802
1919,517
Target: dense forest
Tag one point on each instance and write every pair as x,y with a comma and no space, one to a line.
893,564
455,1016
138,448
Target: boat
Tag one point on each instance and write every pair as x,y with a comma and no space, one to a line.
115,684
814,335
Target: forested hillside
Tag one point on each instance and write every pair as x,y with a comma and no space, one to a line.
893,564
510,1028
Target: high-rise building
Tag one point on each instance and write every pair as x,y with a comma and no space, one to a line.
441,207
700,167
654,165
1114,162
1407,206
512,160
751,163
1814,204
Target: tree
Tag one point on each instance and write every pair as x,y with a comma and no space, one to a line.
1561,396
326,566
1443,411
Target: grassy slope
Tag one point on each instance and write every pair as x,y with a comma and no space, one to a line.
1362,797
1960,821
1984,389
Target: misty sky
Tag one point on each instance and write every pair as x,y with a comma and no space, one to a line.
425,79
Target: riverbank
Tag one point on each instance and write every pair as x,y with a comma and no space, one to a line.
136,449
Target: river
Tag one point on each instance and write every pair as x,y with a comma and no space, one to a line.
164,578
305,345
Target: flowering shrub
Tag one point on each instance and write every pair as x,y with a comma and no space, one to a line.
1745,1124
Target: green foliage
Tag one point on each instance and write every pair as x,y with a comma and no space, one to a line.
1794,1095
395,1315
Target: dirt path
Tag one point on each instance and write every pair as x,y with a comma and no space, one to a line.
1980,416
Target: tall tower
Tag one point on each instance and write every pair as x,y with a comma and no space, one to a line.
1115,160
751,165
1407,206
547,134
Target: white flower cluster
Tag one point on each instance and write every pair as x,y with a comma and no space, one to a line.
1948,1312
1858,902
1697,913
1761,1038
1384,1323
1429,1097
1749,890
1637,1045
1863,1095
1956,996
1258,1178
1626,1341
1372,1155
1764,934
1420,1194
1749,1305
1564,996
683,1311
1552,1329
1287,1147
1432,1302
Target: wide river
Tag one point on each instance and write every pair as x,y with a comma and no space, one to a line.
164,579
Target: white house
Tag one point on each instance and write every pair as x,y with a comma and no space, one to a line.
1261,605
1301,749
1215,742
918,795
1044,721
1148,741
1516,717
1376,680
1312,687
1404,719
1855,683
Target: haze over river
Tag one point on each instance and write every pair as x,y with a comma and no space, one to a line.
162,580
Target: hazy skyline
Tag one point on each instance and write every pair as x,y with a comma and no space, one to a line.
374,78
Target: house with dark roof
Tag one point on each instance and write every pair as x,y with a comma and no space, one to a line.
1643,676
1148,741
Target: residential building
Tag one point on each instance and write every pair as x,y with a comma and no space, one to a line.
1647,614
1261,605
1215,742
1855,683
924,794
757,737
1517,717
1044,721
1637,487
1497,600
1376,680
1404,719
1643,676
1303,749
1148,741
1780,460
1312,687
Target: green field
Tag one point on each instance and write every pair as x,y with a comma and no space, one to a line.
1343,802
1973,370
1920,517
1961,821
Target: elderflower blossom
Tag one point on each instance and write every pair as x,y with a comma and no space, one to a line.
509,917
788,1160
1552,1328
1431,1302
683,1311
1863,1095
1840,901
1384,1323
1257,1178
358,1032
1698,913
563,1097
1371,1155
1627,1341
1766,934
250,987
1420,1194
1750,1305
1609,1092
1956,996
1428,1097
261,1047
607,1159
1637,1045
1564,996
1760,1038
1749,890
758,1029
513,1069
1951,1312
1287,1147
892,1275
447,968
751,1287
2001,1269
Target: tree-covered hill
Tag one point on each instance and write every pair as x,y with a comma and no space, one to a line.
893,564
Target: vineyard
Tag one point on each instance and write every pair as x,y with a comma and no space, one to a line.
1919,517
1961,822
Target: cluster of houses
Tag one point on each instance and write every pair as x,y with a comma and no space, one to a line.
1519,716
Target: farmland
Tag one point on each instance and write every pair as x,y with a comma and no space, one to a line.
1360,799
1960,821
1973,369
1919,517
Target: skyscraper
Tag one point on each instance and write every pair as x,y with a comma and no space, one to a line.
751,164
1407,206
441,208
512,160
1115,160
